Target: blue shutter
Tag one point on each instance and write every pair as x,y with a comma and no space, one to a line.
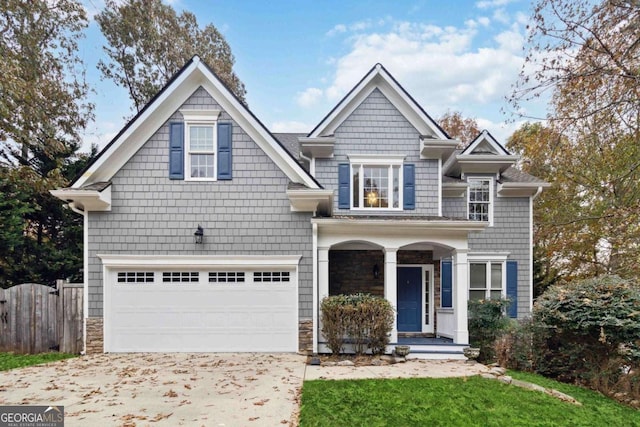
409,194
224,151
512,288
176,150
446,284
344,180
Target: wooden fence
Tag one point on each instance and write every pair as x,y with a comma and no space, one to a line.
37,318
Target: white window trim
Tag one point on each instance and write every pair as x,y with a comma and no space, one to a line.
380,160
498,258
200,118
491,180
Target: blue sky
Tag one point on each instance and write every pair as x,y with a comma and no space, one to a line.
297,59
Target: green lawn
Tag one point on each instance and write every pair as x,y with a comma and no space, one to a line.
472,401
12,361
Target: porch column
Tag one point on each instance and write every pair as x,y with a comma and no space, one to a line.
323,284
323,273
460,296
391,285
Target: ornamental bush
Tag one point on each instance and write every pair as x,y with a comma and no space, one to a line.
588,324
585,332
487,321
360,319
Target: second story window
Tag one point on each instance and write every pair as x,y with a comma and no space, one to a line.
481,200
201,145
376,186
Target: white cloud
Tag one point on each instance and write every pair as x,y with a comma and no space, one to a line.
99,137
501,16
484,21
500,130
442,67
439,64
309,97
510,40
337,29
488,4
291,126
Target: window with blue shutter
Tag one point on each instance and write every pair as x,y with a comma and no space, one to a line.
446,284
344,176
409,195
512,288
224,151
176,150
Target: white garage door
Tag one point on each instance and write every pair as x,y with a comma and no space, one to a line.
201,310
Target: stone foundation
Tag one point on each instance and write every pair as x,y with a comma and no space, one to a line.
95,335
305,337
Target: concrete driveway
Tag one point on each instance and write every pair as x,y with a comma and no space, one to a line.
163,389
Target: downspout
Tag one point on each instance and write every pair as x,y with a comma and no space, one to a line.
315,288
531,199
85,270
312,163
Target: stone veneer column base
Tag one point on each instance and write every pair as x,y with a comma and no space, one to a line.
305,337
95,335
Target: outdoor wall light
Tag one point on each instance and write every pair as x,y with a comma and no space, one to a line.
376,271
199,234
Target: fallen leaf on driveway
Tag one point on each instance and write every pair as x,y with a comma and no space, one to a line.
254,418
159,417
170,393
92,392
261,402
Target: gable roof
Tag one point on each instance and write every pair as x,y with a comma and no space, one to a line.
163,105
485,143
483,155
379,78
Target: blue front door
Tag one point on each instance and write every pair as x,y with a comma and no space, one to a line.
409,299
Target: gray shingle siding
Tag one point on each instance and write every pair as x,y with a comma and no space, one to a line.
377,127
152,215
509,233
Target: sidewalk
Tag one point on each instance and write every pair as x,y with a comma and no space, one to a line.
413,368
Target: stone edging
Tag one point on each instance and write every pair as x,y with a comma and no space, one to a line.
498,373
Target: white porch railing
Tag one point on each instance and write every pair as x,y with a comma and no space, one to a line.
446,323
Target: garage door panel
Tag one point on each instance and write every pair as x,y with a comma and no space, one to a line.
202,316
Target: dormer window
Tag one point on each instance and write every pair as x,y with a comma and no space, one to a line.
480,199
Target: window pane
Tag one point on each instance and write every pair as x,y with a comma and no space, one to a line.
496,276
476,295
478,276
356,186
201,138
479,198
396,186
376,187
496,294
202,165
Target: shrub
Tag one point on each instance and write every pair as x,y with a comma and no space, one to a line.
486,323
362,319
520,346
593,328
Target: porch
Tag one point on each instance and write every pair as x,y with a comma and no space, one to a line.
403,261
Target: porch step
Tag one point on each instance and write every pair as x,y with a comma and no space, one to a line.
430,351
439,351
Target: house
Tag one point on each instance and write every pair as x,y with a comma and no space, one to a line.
203,231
